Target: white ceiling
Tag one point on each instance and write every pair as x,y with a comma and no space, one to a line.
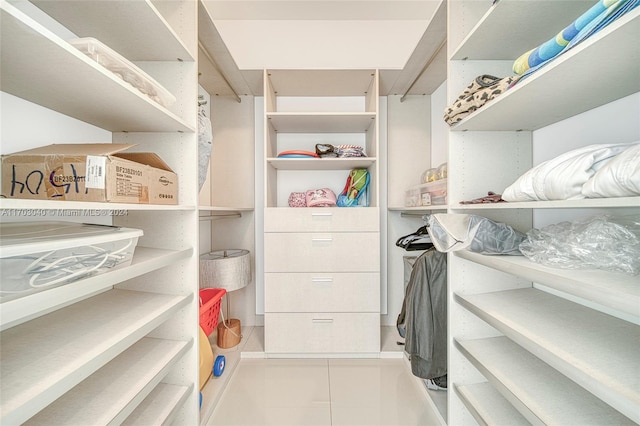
321,34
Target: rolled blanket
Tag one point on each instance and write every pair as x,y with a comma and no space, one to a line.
553,47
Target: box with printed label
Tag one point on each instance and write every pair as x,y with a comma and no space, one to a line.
89,172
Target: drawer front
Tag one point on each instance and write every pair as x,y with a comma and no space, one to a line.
322,219
322,292
322,252
322,333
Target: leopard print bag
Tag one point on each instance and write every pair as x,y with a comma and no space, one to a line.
481,90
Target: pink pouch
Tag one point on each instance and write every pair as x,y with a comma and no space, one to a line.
297,199
323,197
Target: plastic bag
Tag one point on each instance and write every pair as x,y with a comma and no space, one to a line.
601,242
453,232
205,143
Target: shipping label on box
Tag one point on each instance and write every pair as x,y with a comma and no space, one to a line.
88,172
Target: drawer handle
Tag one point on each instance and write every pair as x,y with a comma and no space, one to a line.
322,240
322,214
322,321
322,280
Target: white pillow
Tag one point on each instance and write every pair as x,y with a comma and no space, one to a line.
563,177
619,177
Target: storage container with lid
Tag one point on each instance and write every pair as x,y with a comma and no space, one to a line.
36,256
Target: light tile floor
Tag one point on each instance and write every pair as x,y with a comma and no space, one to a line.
310,392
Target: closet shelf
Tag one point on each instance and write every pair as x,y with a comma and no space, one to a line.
160,406
48,71
536,390
595,350
617,291
117,23
527,23
321,163
321,122
84,209
321,83
36,369
488,406
122,384
555,204
533,103
17,311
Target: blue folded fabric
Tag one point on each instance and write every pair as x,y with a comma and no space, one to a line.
607,16
594,19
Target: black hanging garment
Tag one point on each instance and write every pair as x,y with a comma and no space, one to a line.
424,315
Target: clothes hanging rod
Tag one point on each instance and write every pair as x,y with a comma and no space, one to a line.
215,65
220,216
410,214
421,214
433,57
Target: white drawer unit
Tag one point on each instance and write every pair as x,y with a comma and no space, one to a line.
320,219
322,292
322,333
320,252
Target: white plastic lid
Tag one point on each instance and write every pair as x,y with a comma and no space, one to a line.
20,238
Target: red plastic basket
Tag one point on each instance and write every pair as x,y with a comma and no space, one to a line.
210,300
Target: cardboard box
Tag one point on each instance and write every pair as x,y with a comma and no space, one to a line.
89,172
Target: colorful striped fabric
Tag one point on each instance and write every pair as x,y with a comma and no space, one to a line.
556,45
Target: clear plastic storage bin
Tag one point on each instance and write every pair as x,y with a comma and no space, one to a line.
124,69
36,256
427,194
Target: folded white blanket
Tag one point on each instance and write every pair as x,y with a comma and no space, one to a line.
619,177
563,177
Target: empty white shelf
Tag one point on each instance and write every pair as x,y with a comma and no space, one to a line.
145,260
533,103
117,23
488,406
159,408
555,204
44,358
527,23
50,72
541,394
110,394
614,290
595,350
321,163
319,122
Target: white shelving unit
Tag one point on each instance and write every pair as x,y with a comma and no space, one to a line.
117,347
333,309
531,343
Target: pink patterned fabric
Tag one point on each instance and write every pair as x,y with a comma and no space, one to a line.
323,197
297,199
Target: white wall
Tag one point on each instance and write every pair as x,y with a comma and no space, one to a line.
409,148
439,128
417,140
232,184
26,125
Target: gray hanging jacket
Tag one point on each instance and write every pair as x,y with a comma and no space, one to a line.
424,315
